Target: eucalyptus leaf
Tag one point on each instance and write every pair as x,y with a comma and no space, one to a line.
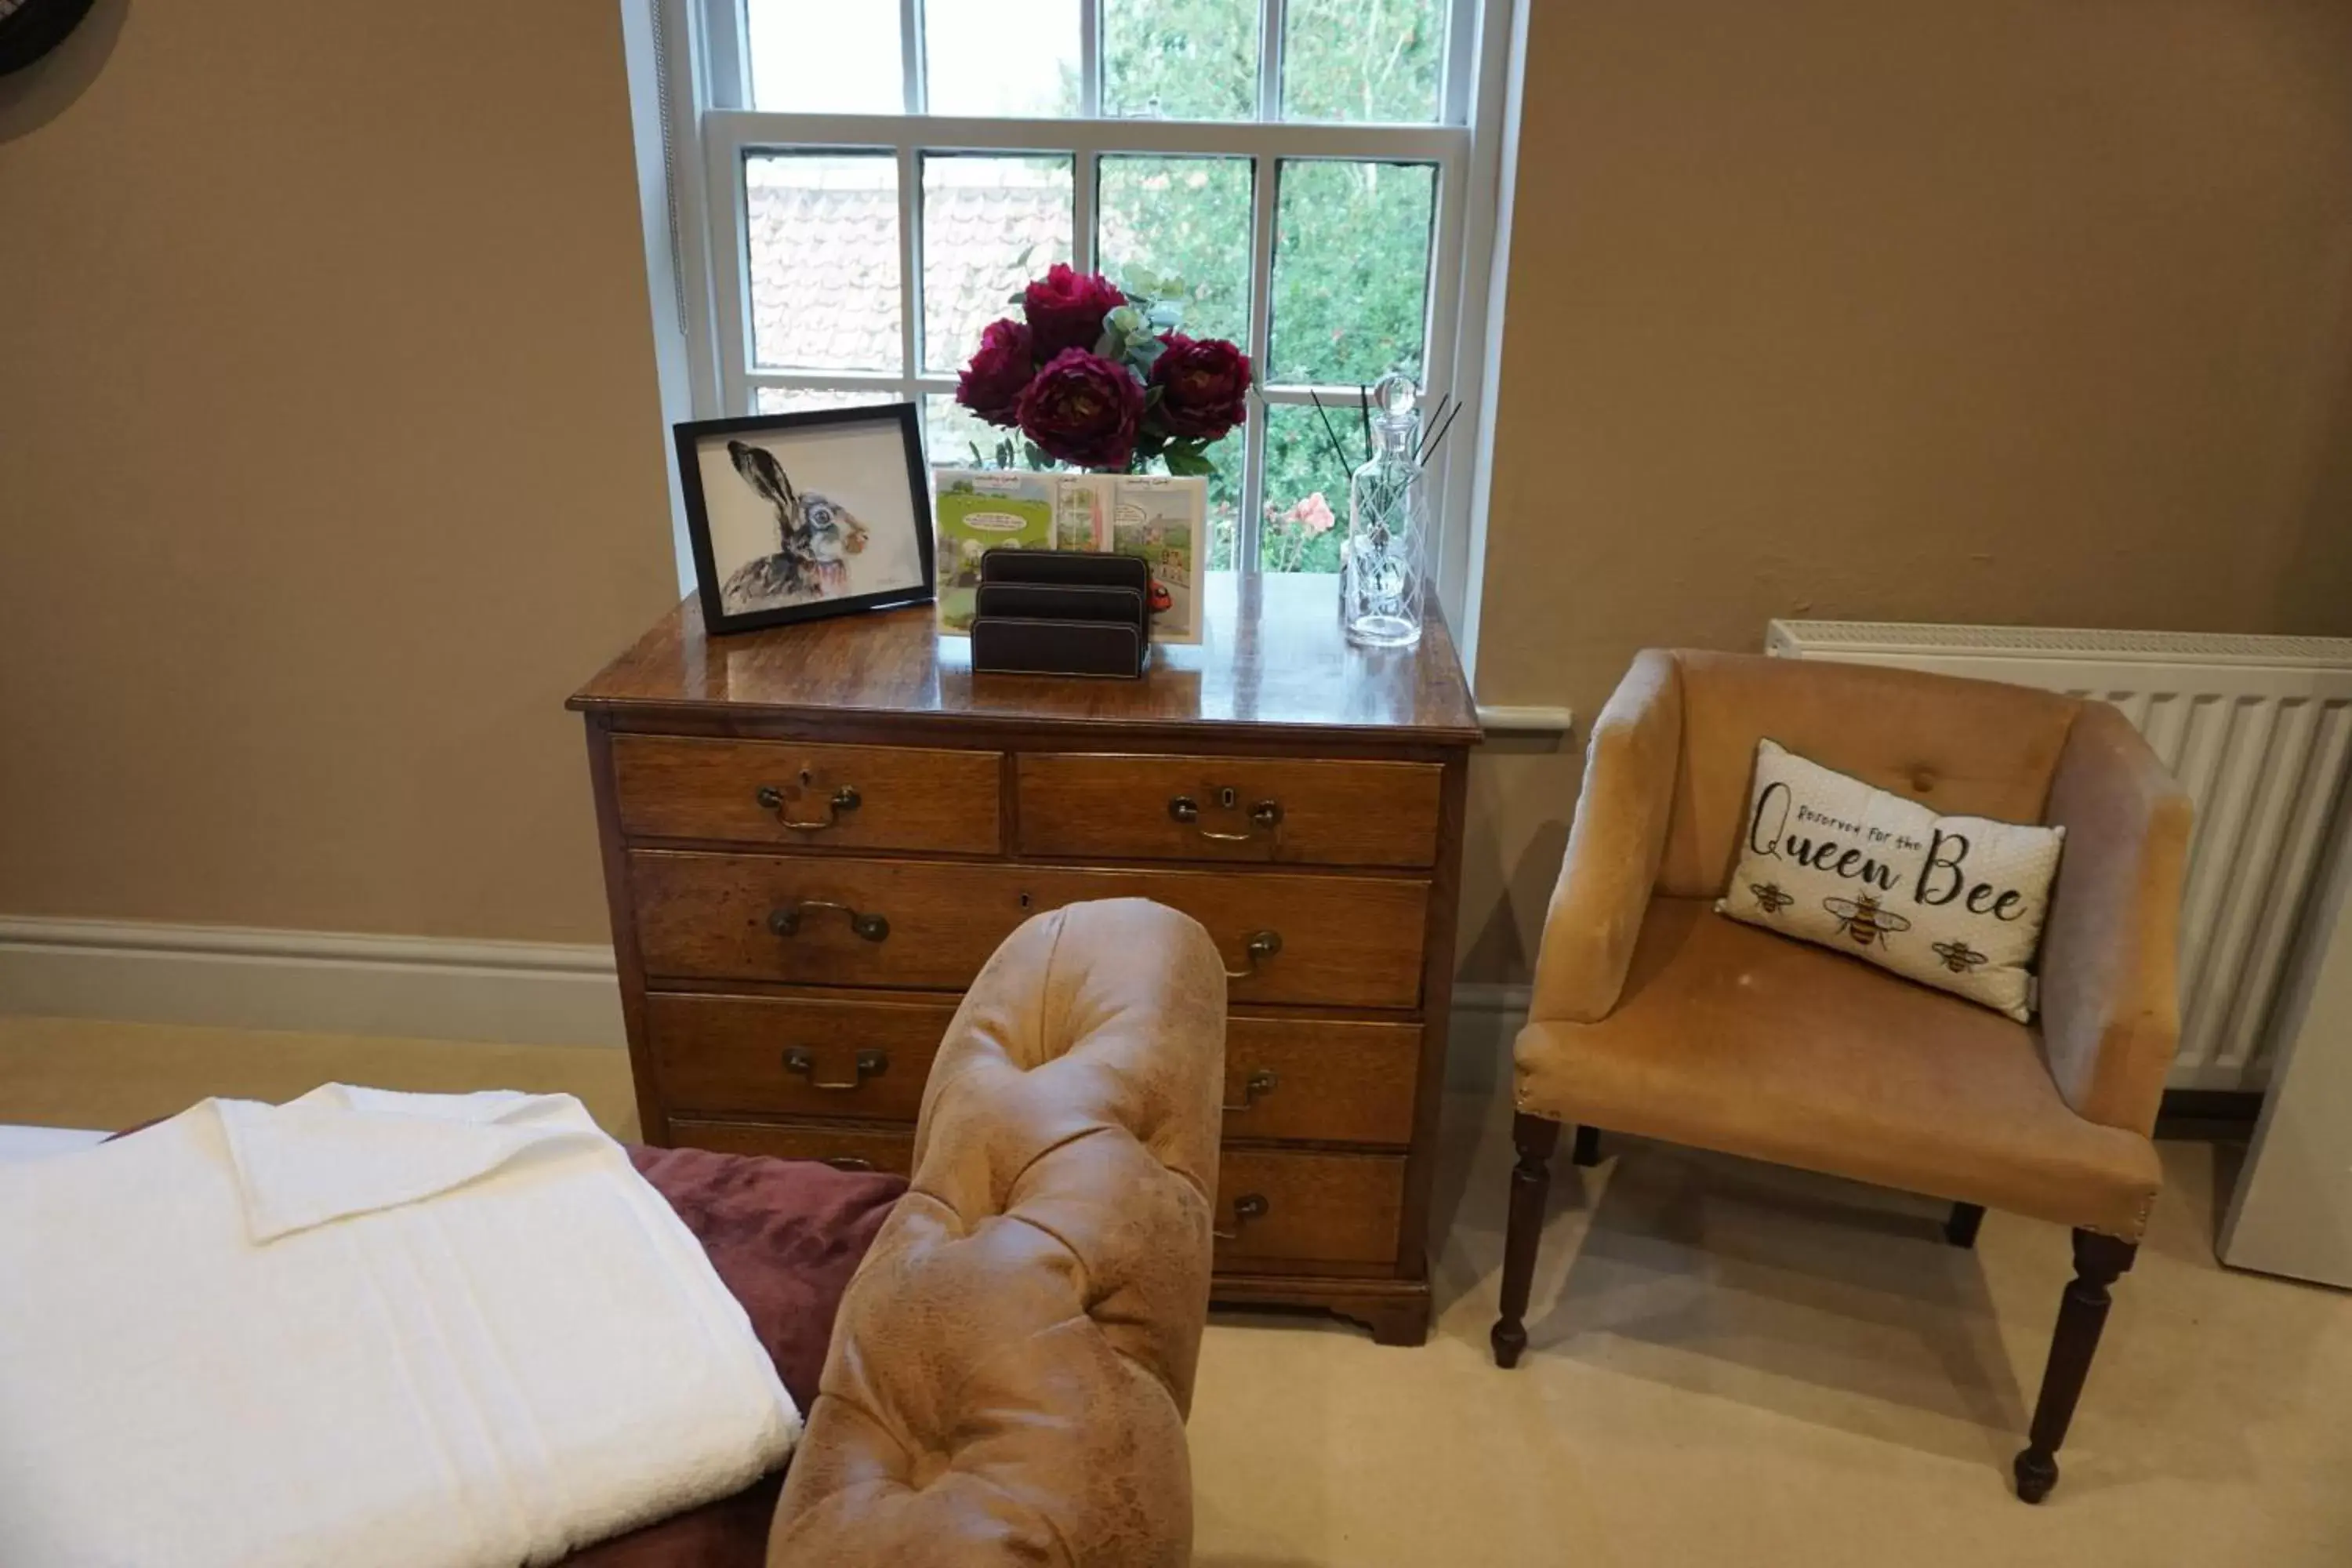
1112,345
1167,315
1188,463
1126,318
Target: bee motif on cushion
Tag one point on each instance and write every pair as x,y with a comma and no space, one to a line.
1770,897
1957,955
1864,921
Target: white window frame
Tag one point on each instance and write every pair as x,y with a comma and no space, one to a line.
709,132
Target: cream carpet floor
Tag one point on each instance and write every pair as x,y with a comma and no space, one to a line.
1730,1364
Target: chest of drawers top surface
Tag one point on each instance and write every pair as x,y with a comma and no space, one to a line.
1272,665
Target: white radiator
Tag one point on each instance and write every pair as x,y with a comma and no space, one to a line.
2258,729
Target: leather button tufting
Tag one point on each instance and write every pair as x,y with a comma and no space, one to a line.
1922,781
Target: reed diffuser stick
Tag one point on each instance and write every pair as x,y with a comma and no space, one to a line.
1337,451
1436,418
1430,451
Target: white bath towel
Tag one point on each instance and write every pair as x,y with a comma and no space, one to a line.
362,1328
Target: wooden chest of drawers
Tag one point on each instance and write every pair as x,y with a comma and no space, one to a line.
814,837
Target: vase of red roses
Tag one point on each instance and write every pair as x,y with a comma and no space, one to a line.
1099,378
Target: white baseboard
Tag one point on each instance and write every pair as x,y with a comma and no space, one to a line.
313,982
430,988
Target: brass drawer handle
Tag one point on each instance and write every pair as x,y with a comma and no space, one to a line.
848,1162
1257,1083
1263,945
1245,1209
869,1064
846,798
1265,814
787,921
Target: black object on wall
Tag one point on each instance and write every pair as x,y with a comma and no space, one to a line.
31,28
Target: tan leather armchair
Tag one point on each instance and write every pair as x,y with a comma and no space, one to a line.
1013,1361
1653,1015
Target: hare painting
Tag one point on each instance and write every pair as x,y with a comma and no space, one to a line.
815,536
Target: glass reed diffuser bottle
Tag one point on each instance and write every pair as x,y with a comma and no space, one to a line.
1382,578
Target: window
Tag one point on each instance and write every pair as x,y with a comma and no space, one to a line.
875,178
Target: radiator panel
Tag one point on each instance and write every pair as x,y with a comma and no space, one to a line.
2258,729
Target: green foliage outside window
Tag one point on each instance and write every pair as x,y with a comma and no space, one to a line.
1353,238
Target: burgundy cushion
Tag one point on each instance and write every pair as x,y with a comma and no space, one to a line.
786,1235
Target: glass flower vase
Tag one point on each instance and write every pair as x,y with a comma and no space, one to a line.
1382,576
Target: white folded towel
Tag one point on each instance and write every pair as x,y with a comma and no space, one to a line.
362,1328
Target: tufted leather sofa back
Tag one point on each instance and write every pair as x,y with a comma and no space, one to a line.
1012,1363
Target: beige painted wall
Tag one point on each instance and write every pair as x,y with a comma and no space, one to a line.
330,453
2005,311
331,460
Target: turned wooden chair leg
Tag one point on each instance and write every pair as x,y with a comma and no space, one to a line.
2082,1312
1536,1137
1586,1150
1960,1230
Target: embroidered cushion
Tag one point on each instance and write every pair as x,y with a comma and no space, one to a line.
1955,902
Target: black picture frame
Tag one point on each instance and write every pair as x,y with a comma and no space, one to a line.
690,438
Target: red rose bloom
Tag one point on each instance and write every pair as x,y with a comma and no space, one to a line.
1066,308
1083,409
1204,386
990,384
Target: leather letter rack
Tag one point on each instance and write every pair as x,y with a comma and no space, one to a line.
1048,612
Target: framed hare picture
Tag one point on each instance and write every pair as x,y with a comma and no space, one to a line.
797,516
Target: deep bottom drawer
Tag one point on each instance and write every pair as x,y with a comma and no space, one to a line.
1273,1206
861,1061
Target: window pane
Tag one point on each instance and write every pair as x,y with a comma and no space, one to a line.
824,261
1343,59
798,399
1350,270
1307,486
825,57
990,225
1017,58
1180,59
1182,220
1225,498
951,432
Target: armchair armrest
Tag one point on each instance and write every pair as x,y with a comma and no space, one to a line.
2110,1003
1613,847
1013,1361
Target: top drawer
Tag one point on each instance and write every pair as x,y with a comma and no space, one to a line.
784,791
1229,808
